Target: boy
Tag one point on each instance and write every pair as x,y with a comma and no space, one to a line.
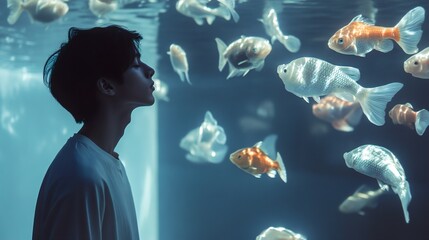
98,77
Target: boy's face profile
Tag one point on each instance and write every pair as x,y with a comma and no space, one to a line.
137,86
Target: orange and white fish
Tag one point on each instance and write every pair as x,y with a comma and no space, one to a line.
179,62
102,7
360,36
418,64
403,114
257,160
343,115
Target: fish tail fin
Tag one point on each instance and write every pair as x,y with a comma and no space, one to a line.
291,43
221,46
410,31
227,10
405,196
374,101
282,169
187,78
15,11
422,121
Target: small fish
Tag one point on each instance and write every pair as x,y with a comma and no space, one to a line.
44,11
161,90
243,55
179,62
205,144
257,160
198,10
311,77
102,7
279,233
380,163
272,28
403,114
418,64
360,36
362,198
343,115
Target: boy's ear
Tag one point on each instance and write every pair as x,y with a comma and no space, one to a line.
106,86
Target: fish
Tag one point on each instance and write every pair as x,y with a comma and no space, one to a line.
243,55
258,159
380,163
405,115
279,233
161,90
179,61
102,7
361,36
343,115
206,143
272,28
311,77
198,10
362,198
418,64
44,11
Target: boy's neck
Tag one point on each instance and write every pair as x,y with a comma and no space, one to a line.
105,130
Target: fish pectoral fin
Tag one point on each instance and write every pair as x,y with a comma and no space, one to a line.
342,125
210,19
306,99
257,175
384,46
260,66
271,173
352,72
199,21
316,98
383,186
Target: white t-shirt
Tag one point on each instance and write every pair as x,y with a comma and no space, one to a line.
85,195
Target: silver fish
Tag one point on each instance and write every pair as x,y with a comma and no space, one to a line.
362,198
380,163
179,61
279,233
198,10
243,55
418,64
311,77
272,28
102,7
44,11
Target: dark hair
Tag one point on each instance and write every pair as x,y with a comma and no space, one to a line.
71,73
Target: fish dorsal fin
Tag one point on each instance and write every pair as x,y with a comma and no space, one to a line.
268,146
409,105
208,118
352,72
360,18
258,144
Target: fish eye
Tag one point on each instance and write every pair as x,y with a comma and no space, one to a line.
239,156
416,63
340,40
284,70
254,50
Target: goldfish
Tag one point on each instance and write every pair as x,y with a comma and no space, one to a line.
257,160
206,143
418,64
279,233
380,163
243,55
272,28
102,7
198,10
179,62
403,114
362,198
343,115
311,77
361,36
44,11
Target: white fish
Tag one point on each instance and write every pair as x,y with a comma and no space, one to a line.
102,7
205,143
362,198
272,28
418,64
279,233
161,90
44,11
198,10
311,77
380,163
179,62
243,55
